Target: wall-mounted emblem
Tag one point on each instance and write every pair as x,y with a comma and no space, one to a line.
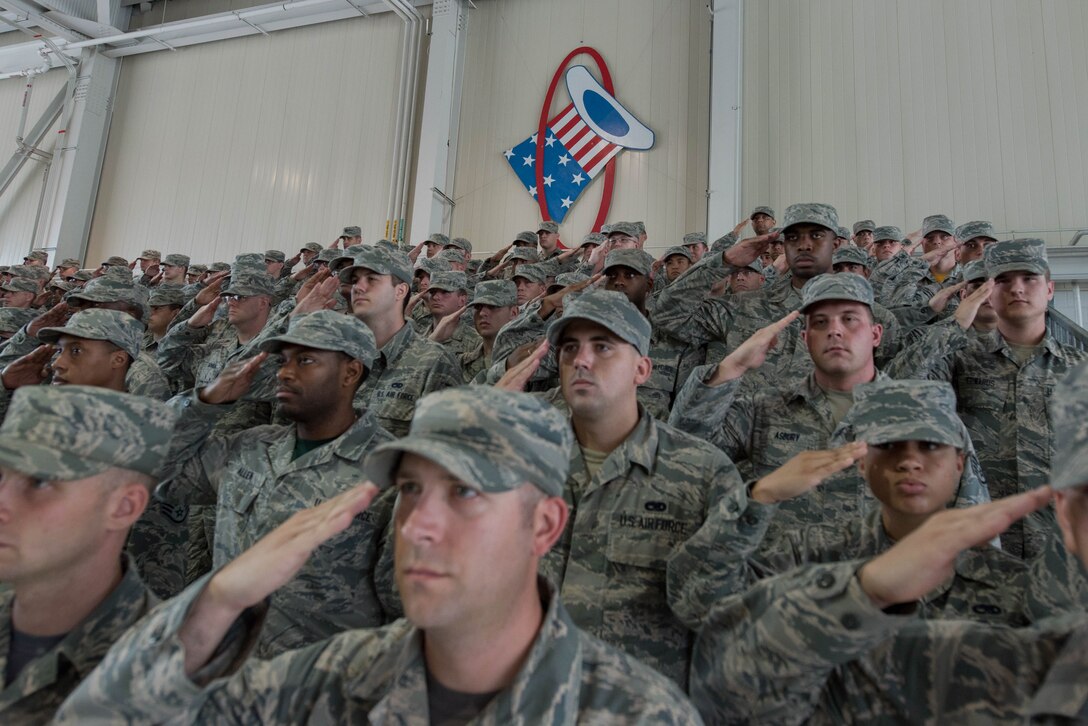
573,147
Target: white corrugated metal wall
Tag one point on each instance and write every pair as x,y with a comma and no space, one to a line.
897,109
19,204
250,144
658,54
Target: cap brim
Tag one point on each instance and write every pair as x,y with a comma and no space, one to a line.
840,298
909,431
45,462
453,456
275,345
557,326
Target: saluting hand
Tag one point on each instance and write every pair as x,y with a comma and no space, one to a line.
752,353
968,309
233,382
805,471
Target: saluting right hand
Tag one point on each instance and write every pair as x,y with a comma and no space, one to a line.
263,568
30,370
925,558
805,471
54,317
233,382
204,316
968,309
751,353
746,251
522,364
212,288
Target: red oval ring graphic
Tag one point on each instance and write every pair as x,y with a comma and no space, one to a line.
609,168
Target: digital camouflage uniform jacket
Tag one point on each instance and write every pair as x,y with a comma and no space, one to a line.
34,696
810,647
730,553
651,494
1005,407
409,367
373,676
256,486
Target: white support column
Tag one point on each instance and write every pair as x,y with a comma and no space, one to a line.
431,211
77,160
726,91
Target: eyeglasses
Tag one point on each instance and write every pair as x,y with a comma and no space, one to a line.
234,297
71,279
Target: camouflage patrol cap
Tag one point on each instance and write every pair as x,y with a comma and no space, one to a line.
762,210
566,279
466,244
105,289
526,238
695,238
177,260
938,223
527,254
864,225
439,239
387,244
1016,255
812,213
116,261
640,227
119,273
450,255
381,261
497,293
150,255
755,265
548,226
841,286
84,275
979,228
431,265
251,263
887,411
853,255
352,230
197,269
40,255
218,267
70,262
490,439
458,243
612,311
450,281
21,284
842,233
114,326
678,250
328,330
974,270
888,232
1069,414
605,229
628,229
166,295
274,256
74,432
248,284
33,272
310,247
347,257
531,271
593,238
638,260
59,284
327,255
12,319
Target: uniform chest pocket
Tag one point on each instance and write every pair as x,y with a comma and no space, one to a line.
244,493
645,537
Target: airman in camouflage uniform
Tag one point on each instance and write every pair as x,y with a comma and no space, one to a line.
493,305
64,444
452,290
914,434
1001,385
467,447
634,496
165,301
841,643
916,280
408,366
144,376
685,313
849,258
12,319
260,476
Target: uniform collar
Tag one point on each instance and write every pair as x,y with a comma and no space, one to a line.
545,690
